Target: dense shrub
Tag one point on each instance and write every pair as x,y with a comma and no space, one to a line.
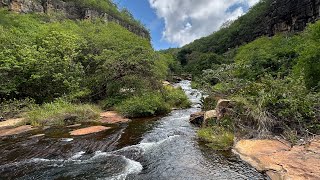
275,56
309,52
46,59
148,104
176,98
154,103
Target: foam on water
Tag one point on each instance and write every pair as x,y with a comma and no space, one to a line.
133,167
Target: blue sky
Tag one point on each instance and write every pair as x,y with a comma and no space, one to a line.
174,23
142,11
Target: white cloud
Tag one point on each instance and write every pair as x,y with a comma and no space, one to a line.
187,20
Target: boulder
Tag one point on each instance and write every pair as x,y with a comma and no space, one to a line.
197,118
209,115
88,130
177,78
112,117
279,160
222,107
166,83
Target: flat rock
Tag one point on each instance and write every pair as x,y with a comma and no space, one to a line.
74,125
88,130
14,131
279,160
36,136
11,122
112,117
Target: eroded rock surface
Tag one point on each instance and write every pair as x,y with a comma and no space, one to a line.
72,10
11,122
279,160
88,130
112,117
14,131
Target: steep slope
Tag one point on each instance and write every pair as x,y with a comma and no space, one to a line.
79,9
268,17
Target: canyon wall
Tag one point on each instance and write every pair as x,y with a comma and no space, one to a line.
71,10
291,15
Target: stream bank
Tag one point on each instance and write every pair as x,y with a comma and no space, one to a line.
156,148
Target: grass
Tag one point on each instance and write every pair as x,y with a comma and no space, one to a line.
61,113
216,137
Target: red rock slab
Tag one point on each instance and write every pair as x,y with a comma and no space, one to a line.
11,122
88,130
279,160
112,117
14,131
74,125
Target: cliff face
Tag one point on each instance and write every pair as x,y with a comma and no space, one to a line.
291,15
71,10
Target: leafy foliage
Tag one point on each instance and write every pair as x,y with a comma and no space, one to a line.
275,82
155,103
46,57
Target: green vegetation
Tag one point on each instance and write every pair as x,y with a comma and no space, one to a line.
62,113
46,57
108,6
150,104
14,108
273,80
232,34
216,137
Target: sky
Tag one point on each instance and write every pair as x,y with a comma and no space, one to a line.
174,23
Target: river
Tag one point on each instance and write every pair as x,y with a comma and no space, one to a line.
156,148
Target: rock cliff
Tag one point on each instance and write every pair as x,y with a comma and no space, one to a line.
291,15
71,10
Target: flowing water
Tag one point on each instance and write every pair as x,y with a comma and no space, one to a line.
152,148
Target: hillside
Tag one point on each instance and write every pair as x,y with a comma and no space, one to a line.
80,9
268,17
267,63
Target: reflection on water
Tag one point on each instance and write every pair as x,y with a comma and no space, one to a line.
151,148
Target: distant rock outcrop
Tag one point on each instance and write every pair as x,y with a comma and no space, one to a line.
292,15
71,10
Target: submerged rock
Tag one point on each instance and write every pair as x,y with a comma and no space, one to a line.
279,160
88,130
112,117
